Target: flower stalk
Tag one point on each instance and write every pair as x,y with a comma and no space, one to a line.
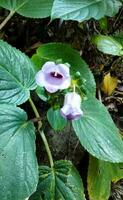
42,133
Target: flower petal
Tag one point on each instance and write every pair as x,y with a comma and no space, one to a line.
51,89
48,67
40,79
65,84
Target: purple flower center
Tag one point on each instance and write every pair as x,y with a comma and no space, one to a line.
71,117
56,75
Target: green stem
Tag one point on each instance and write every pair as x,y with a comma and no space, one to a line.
47,148
41,132
7,19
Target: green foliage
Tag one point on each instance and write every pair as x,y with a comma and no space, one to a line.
55,119
100,175
29,8
55,51
60,182
82,10
99,179
98,133
79,10
108,44
17,75
18,165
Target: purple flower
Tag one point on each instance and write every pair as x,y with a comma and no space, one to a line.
72,106
53,77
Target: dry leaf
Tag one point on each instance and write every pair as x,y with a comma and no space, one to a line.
109,84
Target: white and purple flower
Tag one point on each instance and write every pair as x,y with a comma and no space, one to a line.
53,77
72,106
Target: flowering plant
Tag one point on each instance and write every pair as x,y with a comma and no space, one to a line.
58,77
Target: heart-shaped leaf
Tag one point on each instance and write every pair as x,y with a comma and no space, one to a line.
55,51
18,165
17,75
29,8
98,133
60,182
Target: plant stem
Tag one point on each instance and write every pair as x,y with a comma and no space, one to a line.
47,148
7,19
41,132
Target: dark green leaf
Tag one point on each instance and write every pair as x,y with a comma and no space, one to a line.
29,8
62,182
98,133
55,51
55,119
17,76
18,165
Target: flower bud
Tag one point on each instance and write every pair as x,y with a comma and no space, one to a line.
72,106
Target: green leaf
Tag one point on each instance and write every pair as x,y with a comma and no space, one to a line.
55,119
81,10
116,171
29,8
55,51
17,75
119,37
112,7
62,182
18,164
100,176
99,179
41,92
108,45
98,133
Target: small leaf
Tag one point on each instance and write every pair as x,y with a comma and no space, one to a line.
55,51
62,182
108,45
55,119
103,22
41,92
18,164
17,75
99,179
29,8
98,133
109,84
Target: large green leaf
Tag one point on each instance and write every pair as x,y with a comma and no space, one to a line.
55,119
17,75
99,179
81,10
55,51
29,8
18,165
100,176
98,133
62,182
108,44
